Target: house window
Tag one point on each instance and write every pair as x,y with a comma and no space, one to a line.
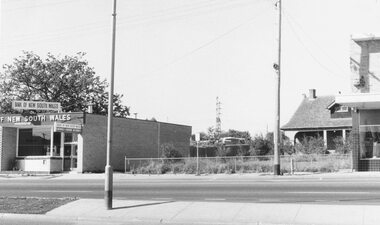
342,109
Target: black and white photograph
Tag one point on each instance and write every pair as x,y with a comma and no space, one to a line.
189,112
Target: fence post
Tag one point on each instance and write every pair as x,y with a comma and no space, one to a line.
291,165
125,164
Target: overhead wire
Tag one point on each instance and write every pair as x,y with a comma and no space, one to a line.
308,50
208,43
90,28
38,5
289,16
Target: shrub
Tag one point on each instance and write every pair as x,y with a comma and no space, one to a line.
168,151
311,145
343,147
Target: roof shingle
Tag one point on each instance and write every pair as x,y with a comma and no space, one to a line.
313,114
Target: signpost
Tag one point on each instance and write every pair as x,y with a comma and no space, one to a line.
32,105
197,139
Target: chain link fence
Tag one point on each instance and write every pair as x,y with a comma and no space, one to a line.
238,164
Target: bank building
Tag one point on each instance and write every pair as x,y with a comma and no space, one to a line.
55,142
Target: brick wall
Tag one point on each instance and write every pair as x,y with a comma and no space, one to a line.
178,135
355,140
369,165
131,138
7,147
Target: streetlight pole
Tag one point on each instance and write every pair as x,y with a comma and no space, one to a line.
277,67
108,187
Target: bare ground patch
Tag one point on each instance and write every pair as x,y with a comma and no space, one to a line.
30,205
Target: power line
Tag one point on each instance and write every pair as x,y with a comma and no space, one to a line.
289,16
208,43
97,26
39,5
309,52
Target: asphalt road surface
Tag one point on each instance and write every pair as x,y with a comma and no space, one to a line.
266,189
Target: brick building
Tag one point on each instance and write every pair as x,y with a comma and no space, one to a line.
364,101
56,142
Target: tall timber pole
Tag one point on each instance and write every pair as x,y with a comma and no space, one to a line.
108,187
277,67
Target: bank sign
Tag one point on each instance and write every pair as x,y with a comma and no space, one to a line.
31,105
35,118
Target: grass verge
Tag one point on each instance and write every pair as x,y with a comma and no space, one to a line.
26,205
302,163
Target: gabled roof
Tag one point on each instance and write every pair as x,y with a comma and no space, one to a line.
314,113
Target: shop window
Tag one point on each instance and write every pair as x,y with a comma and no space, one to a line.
57,144
369,141
71,138
34,141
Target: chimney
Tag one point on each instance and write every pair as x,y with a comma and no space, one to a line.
312,94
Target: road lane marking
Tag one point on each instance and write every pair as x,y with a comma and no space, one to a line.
162,198
269,200
325,200
215,199
327,192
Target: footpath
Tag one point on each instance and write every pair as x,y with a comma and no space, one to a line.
92,211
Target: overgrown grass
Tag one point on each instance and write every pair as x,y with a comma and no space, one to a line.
304,163
26,205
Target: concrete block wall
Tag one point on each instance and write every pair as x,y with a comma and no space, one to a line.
131,138
7,148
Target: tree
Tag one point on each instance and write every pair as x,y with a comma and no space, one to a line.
68,80
261,145
286,146
168,151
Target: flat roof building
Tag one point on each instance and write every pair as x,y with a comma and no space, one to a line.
56,142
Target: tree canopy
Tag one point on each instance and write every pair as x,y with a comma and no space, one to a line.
68,80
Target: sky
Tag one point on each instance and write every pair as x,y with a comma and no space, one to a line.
174,57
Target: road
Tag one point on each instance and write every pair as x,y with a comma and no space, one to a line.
263,189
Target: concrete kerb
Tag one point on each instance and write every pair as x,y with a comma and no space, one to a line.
121,176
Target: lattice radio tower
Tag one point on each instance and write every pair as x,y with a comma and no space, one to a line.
218,125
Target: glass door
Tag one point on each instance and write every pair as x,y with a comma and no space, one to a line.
71,150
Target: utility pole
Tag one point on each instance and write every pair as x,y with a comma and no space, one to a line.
108,187
277,68
197,139
218,125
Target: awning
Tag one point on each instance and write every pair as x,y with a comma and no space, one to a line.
360,100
